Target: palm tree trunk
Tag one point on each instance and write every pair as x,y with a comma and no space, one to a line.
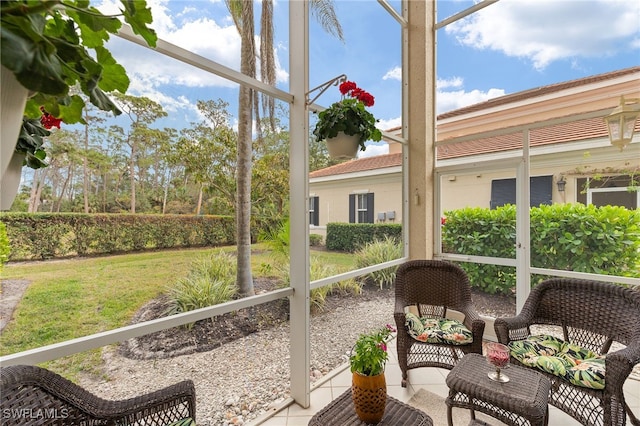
245,153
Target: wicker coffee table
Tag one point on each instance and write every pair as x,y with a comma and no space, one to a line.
341,413
521,401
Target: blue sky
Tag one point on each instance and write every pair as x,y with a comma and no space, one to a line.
510,46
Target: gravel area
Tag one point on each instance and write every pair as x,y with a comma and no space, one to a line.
243,379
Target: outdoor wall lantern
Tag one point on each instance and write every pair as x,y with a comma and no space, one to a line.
622,121
561,184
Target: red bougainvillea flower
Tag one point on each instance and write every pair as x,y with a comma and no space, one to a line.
347,86
443,221
48,121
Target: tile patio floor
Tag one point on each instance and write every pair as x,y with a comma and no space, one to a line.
431,379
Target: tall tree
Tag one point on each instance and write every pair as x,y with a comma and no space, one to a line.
142,112
208,152
242,14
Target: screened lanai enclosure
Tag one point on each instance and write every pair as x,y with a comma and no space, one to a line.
509,159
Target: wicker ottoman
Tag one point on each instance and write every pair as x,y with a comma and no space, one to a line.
521,401
341,413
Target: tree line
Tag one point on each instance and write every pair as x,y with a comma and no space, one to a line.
137,167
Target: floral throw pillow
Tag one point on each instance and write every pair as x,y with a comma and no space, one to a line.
579,366
437,330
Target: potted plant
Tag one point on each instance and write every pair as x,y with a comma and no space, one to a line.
347,122
45,51
47,44
368,387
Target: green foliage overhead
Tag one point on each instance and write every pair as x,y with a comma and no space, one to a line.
53,45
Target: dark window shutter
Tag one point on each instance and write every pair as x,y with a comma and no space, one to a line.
352,208
541,188
315,215
370,218
503,191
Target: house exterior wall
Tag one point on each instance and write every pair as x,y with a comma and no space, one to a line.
333,197
474,189
567,156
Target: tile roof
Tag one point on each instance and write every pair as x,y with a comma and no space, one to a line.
360,165
539,91
566,132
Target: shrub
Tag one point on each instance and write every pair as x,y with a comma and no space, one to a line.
351,236
4,246
277,238
211,280
379,251
318,270
575,237
315,240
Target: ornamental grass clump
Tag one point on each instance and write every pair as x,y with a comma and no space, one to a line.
369,354
349,116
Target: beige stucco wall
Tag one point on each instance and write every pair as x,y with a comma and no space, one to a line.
474,189
334,197
469,189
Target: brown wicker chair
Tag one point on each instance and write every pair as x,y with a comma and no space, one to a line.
592,315
433,286
34,395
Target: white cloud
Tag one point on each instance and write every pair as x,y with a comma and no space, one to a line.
389,124
374,150
393,74
442,84
544,31
449,101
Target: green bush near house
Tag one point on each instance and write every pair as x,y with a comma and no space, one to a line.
376,252
315,240
601,240
350,237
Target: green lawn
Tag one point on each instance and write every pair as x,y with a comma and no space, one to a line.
78,297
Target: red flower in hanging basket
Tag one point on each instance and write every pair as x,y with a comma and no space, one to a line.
48,121
349,116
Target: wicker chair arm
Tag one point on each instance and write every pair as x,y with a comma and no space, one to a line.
167,404
154,402
505,328
620,363
400,320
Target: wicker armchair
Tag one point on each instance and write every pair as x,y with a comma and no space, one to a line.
34,395
592,315
434,287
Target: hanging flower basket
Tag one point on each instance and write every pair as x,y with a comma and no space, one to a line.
10,180
343,146
13,100
350,117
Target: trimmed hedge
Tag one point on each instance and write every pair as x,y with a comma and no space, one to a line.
4,245
350,237
575,237
53,235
